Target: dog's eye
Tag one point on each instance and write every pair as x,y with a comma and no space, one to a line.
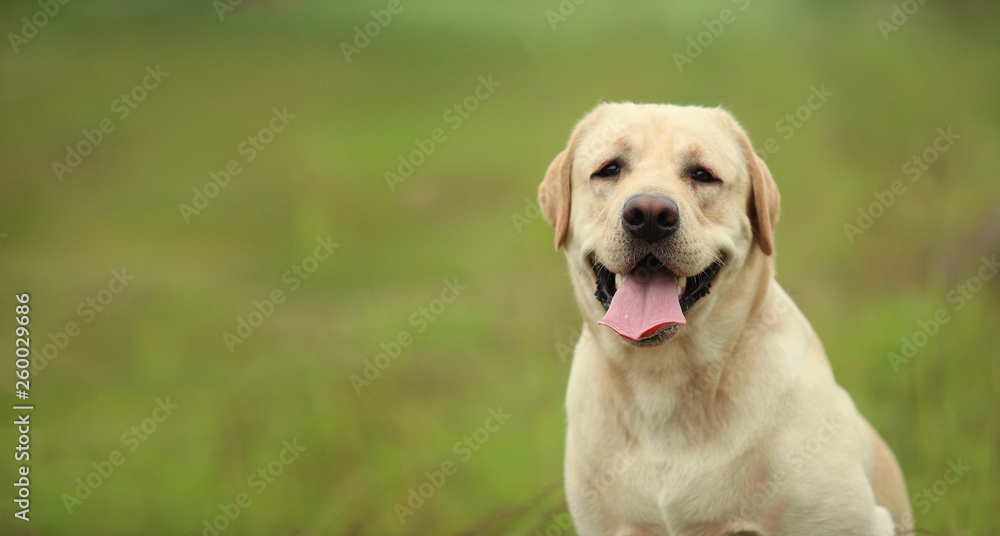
703,175
611,169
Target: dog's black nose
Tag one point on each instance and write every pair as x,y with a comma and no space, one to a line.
650,217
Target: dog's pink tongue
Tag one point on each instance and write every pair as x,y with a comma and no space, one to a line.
644,305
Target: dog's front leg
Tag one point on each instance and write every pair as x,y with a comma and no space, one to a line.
883,522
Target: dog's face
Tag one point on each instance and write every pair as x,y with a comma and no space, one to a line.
656,205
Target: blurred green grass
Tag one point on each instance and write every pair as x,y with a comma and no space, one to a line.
497,344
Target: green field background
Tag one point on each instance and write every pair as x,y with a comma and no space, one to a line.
465,217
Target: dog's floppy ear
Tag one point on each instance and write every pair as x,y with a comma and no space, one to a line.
554,195
763,205
765,202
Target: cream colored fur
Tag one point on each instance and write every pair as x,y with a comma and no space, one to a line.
732,424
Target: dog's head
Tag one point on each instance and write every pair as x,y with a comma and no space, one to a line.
656,205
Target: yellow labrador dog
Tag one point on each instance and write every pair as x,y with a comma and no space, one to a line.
700,401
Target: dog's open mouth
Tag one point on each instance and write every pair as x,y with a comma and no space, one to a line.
649,298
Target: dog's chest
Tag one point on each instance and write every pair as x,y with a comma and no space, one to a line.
671,485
